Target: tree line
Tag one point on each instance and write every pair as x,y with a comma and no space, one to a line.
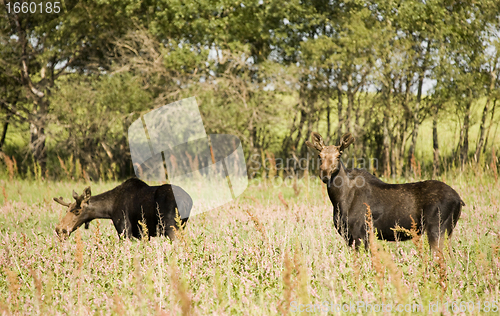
269,72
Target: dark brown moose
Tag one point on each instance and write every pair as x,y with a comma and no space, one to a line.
126,205
432,205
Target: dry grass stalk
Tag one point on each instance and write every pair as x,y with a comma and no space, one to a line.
254,200
180,234
295,186
323,193
257,223
79,251
272,168
160,311
415,235
118,305
15,165
396,275
284,306
63,166
219,287
494,164
179,228
138,278
355,268
97,232
297,268
4,309
38,287
442,271
416,167
302,280
78,169
181,288
495,247
79,262
13,285
374,252
10,165
282,199
85,176
6,197
144,229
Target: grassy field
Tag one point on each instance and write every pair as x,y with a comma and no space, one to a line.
259,255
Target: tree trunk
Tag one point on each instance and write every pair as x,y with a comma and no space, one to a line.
37,133
386,154
288,140
328,131
386,164
482,130
303,119
403,128
303,150
489,127
341,118
464,148
435,145
4,131
416,121
414,134
416,118
350,104
357,132
493,79
37,145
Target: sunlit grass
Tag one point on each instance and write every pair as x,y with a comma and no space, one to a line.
254,256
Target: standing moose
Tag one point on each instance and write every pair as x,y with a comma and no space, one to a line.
433,205
126,205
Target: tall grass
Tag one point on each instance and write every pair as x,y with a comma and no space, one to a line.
263,254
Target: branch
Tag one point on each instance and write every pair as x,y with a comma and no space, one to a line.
25,70
14,111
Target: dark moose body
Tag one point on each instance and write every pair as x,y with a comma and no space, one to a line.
433,205
126,205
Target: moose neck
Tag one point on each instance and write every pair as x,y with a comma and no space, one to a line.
102,205
339,183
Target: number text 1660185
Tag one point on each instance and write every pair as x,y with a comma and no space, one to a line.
33,7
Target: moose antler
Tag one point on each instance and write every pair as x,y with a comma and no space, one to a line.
60,201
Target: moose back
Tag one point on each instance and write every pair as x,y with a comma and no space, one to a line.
127,205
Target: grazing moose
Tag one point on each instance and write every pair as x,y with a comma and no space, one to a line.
126,205
432,205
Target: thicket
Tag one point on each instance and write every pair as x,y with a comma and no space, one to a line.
416,82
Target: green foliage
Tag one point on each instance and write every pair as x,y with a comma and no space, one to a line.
269,72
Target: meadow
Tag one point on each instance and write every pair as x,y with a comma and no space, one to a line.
272,251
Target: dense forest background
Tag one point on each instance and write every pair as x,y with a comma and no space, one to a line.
416,82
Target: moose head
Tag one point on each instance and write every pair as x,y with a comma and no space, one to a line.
77,214
329,155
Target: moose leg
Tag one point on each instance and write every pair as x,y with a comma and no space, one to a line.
436,242
171,228
171,234
435,228
123,226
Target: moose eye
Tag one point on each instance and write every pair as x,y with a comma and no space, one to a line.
76,211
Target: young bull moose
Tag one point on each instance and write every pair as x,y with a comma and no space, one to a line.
126,205
432,205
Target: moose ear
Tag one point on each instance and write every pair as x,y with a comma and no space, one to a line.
345,141
317,142
75,195
87,193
